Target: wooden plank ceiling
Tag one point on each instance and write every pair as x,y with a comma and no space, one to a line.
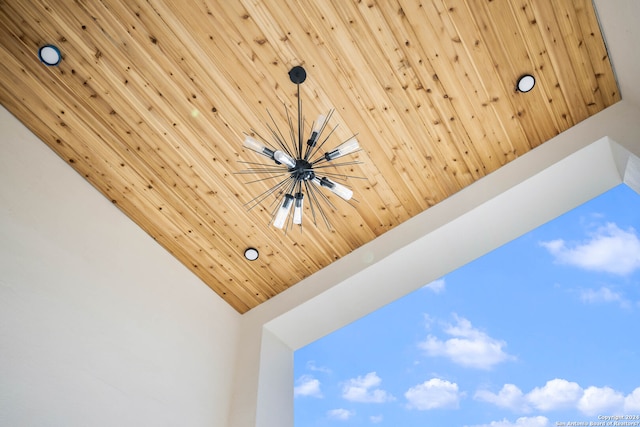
152,99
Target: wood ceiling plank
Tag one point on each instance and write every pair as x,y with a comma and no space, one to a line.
549,97
152,99
434,133
511,59
230,255
578,54
558,54
455,144
124,197
386,104
331,69
190,187
590,35
130,182
386,26
492,95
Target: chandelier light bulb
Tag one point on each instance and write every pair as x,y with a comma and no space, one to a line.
284,158
347,147
283,211
315,132
337,189
297,208
255,145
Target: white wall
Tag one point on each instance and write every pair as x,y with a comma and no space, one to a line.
99,325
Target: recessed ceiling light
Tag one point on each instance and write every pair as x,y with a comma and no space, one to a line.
49,55
251,254
526,83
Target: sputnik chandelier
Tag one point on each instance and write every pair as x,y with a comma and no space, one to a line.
299,166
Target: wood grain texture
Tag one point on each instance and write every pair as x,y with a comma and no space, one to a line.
152,100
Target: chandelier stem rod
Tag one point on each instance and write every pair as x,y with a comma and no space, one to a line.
299,123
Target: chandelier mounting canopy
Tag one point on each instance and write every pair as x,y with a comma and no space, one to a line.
297,75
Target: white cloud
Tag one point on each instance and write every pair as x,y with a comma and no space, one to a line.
510,397
306,385
340,414
365,389
428,321
632,402
376,419
468,346
609,249
437,286
602,295
538,421
562,394
556,394
311,365
596,400
433,394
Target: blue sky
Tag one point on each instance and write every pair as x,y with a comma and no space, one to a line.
541,331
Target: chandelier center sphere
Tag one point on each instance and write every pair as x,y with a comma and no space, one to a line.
302,171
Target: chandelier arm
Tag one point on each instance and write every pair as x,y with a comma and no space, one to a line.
293,185
264,179
259,198
312,193
244,162
271,173
322,159
292,133
318,147
256,133
308,146
324,125
326,199
280,142
265,169
312,149
336,165
342,176
278,136
311,208
326,120
259,202
299,185
275,172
